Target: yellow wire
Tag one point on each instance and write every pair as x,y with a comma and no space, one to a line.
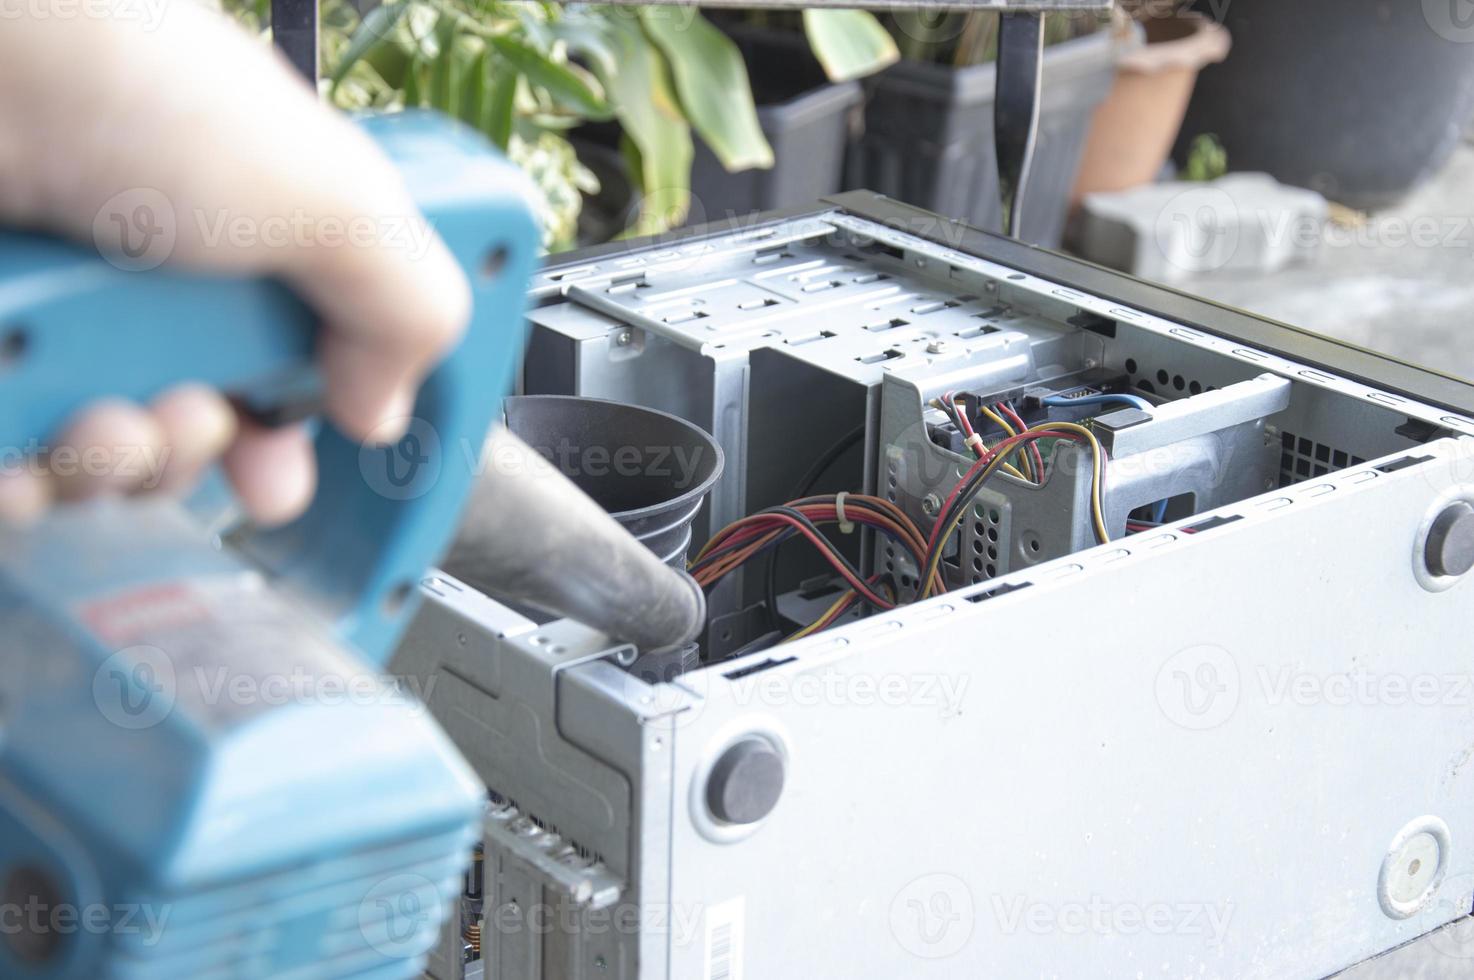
1023,451
826,614
1097,511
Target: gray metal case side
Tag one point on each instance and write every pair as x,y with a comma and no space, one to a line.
1122,732
578,753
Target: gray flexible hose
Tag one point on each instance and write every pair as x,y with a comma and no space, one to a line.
530,535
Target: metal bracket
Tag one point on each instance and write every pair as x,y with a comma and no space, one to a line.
1016,108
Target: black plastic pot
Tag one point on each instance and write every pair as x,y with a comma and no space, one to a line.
803,115
609,211
650,470
929,137
1358,99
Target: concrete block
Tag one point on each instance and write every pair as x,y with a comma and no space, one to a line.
1245,223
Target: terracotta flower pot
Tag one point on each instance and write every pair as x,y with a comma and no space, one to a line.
1133,130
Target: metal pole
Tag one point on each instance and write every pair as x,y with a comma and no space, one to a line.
294,32
1016,109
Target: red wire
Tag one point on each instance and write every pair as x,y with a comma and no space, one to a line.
1034,453
1005,447
821,544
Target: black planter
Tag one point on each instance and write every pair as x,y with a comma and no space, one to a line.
929,137
609,211
1358,99
803,115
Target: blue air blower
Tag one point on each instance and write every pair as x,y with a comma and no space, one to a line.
202,773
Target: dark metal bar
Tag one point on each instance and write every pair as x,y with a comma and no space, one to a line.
294,31
1016,109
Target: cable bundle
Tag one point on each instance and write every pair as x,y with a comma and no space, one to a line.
744,539
950,514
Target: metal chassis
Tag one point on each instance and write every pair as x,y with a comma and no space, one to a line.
1190,766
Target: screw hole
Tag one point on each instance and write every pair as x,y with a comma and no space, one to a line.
30,887
396,597
14,344
494,261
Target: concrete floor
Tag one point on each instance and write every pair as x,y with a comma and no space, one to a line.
1402,284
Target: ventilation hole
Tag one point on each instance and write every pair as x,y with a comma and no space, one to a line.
1163,378
992,571
1131,365
992,534
1193,388
1302,458
977,545
1147,387
1179,382
977,564
993,553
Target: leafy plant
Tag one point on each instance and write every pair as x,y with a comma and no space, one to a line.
969,38
1206,159
525,72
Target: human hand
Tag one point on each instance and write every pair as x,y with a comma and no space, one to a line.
195,110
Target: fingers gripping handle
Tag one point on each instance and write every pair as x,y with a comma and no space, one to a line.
74,328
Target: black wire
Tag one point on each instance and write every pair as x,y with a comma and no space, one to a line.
834,553
805,484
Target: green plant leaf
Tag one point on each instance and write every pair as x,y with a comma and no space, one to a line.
634,74
474,88
444,93
500,99
372,32
711,79
413,84
849,43
559,81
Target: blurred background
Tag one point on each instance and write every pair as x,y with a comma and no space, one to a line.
1308,161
